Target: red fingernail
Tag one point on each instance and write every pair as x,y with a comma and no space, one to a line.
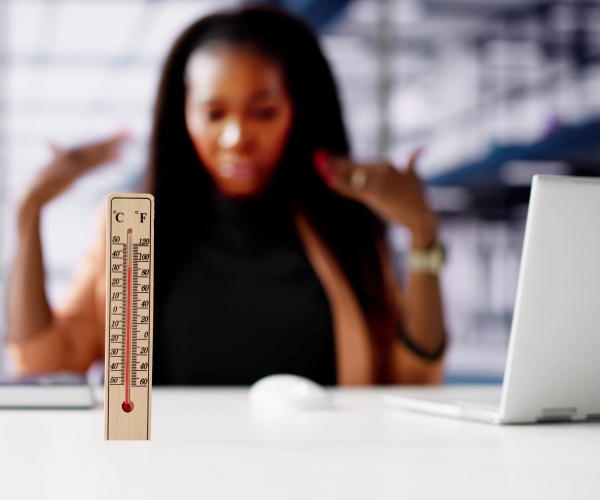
321,161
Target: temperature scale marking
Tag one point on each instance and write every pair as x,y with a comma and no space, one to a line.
129,318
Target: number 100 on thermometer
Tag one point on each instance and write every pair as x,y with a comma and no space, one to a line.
129,318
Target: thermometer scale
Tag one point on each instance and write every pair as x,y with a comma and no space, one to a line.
129,318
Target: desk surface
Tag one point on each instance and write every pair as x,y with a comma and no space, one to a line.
209,444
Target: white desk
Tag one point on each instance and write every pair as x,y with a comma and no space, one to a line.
208,444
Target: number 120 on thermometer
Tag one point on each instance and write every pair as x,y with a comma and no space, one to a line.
129,318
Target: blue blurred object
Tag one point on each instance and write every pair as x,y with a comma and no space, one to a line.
318,13
576,144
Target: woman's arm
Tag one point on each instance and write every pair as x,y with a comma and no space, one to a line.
398,197
424,318
418,357
28,310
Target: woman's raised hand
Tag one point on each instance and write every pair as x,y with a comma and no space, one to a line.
395,195
29,312
68,164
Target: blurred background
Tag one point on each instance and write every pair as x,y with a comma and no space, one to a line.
496,91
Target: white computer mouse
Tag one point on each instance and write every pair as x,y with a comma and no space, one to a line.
285,392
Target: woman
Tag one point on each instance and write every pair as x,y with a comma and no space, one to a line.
284,266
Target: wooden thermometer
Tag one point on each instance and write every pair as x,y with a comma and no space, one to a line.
129,319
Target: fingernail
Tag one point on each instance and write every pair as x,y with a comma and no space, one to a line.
321,161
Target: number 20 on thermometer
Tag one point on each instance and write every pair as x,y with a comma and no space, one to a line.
129,318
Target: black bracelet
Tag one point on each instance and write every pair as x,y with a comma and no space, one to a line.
415,349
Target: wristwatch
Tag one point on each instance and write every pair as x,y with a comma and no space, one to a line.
427,261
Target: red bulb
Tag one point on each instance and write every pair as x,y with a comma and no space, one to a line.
127,406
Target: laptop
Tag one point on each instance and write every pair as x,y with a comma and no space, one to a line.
552,370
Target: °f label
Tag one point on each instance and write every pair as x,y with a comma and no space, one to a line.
129,318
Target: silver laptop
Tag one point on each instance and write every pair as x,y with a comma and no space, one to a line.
553,367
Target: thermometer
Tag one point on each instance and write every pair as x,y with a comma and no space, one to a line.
129,318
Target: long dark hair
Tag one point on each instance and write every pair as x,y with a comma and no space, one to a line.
181,185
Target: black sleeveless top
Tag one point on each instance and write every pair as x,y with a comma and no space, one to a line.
244,302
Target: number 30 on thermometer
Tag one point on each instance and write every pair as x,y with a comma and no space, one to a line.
129,318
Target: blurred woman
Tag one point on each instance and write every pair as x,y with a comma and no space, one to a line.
280,262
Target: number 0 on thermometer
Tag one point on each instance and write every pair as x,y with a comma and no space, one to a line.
129,319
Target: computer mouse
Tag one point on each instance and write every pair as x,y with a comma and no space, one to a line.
286,392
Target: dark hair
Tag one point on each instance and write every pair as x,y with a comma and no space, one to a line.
180,184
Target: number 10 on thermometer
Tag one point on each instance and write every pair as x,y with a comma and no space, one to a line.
129,318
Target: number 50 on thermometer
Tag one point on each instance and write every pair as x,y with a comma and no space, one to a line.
129,316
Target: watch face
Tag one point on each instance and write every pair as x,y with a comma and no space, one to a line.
428,261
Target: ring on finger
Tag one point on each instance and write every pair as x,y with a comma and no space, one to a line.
358,179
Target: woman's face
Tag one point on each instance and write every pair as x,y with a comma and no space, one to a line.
239,115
